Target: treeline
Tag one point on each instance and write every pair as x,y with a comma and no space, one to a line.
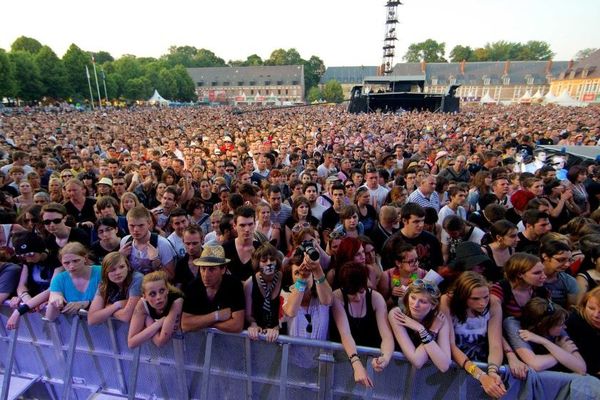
433,51
31,71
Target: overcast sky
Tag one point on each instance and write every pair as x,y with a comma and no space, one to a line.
340,32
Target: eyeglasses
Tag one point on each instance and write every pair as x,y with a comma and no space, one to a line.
66,176
54,221
299,226
429,287
349,185
118,183
564,259
411,262
309,319
337,235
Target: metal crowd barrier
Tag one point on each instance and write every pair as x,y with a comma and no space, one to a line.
67,359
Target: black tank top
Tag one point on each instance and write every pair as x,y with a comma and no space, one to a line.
262,318
364,330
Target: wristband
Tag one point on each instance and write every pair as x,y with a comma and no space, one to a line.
23,309
300,285
320,280
471,369
352,357
465,363
217,316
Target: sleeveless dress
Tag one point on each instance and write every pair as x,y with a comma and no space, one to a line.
364,330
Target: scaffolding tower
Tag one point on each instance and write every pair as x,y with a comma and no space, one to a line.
389,42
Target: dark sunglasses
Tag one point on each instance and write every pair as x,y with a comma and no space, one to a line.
309,326
348,185
429,287
54,221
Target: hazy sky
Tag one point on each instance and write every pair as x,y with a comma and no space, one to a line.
341,32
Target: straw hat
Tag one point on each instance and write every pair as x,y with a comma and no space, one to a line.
212,256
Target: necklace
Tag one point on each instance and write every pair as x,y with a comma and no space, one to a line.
362,309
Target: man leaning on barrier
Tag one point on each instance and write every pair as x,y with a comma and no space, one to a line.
214,299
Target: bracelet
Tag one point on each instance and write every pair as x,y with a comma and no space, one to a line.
217,316
20,297
471,369
492,368
23,309
351,357
320,280
464,363
426,336
508,351
300,285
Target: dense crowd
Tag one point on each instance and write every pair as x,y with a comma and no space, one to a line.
449,237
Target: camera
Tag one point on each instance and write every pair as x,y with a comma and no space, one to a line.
306,247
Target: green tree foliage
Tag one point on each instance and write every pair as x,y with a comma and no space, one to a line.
314,69
102,57
314,94
252,60
583,53
27,44
27,76
74,62
332,92
52,73
428,51
536,50
137,88
8,87
186,89
460,53
191,57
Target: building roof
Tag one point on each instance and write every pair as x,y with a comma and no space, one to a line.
348,74
248,76
519,72
588,67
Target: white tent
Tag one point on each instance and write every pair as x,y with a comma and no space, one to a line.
526,98
538,97
549,98
566,100
487,99
158,99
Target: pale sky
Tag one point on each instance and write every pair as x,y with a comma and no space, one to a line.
340,32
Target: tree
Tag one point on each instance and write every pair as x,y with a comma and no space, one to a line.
536,50
284,57
583,53
102,57
186,89
428,51
52,73
167,84
74,62
27,44
253,59
314,69
314,94
206,58
480,54
333,92
137,88
183,55
460,53
8,85
27,76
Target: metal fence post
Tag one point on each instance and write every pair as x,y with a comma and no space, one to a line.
133,373
206,366
118,363
180,366
283,372
68,375
248,362
10,358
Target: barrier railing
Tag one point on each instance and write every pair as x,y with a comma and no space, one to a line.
67,359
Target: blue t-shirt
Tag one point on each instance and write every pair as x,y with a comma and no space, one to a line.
63,284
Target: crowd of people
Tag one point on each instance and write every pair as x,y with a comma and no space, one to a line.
448,237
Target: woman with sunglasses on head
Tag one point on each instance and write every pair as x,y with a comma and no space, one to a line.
422,331
476,330
367,215
360,316
262,293
556,257
584,327
31,220
119,290
540,340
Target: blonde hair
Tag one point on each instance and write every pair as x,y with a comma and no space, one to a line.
128,195
594,293
75,248
159,276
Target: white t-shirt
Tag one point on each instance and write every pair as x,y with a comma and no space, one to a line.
447,211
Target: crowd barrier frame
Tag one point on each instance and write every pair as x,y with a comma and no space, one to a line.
67,359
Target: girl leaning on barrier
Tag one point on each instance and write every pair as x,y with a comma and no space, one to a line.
360,318
422,331
158,314
119,291
73,289
584,327
476,330
262,293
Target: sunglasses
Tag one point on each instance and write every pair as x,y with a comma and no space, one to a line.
428,286
309,327
337,235
549,309
298,227
54,221
349,185
118,183
66,176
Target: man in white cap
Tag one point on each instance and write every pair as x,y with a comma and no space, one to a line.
214,299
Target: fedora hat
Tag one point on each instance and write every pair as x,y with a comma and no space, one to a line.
212,256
